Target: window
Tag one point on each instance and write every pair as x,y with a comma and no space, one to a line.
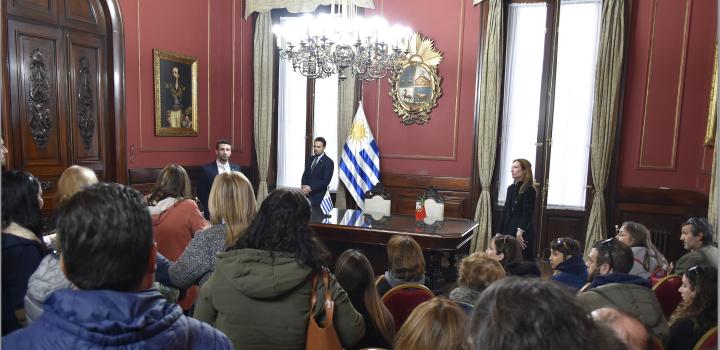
293,95
561,130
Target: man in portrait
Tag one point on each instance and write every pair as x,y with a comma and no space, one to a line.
175,91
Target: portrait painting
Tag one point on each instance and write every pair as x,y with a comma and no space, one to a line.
176,106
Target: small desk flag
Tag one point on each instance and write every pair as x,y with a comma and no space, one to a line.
326,205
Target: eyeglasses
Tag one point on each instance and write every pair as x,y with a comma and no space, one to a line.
610,245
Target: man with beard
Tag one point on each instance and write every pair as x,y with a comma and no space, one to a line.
697,237
318,173
608,265
222,164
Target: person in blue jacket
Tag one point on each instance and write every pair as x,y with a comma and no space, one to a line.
318,173
107,251
567,260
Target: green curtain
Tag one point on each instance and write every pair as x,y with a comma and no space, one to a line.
608,74
488,110
263,98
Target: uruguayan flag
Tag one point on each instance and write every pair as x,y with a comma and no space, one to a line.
353,218
360,160
326,205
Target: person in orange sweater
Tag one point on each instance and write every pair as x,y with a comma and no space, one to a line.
175,218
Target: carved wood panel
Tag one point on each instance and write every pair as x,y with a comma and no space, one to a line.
88,93
39,115
38,103
84,15
46,11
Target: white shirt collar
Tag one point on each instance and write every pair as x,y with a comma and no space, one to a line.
222,168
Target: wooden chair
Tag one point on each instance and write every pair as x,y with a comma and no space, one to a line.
378,201
666,291
708,341
378,280
401,300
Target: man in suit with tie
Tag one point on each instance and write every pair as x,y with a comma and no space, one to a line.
222,164
318,173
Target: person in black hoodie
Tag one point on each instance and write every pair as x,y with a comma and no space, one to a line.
566,259
508,251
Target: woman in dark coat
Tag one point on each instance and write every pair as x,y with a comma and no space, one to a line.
520,206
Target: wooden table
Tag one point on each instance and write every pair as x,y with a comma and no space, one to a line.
347,228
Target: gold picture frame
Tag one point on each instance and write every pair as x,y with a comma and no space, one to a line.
712,109
176,105
415,85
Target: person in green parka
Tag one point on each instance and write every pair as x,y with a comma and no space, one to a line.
259,294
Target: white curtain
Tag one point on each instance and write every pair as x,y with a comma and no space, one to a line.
325,120
572,111
296,6
523,78
292,101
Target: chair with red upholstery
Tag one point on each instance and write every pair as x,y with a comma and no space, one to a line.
708,341
666,291
401,300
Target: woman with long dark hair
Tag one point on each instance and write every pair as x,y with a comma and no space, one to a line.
259,294
697,313
22,246
649,262
519,207
355,274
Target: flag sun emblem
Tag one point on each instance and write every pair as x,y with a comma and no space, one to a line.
358,132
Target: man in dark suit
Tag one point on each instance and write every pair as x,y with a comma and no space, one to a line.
318,173
222,164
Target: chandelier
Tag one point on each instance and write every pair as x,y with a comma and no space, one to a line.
327,44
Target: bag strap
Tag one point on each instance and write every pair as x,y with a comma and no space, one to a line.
312,293
329,304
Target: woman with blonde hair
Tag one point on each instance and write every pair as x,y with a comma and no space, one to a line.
232,207
175,218
438,323
355,274
406,263
520,206
477,272
73,180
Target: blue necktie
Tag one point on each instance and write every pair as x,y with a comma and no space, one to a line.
314,163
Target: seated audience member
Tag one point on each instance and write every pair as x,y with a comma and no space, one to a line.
477,272
108,253
530,314
175,218
608,265
259,294
697,237
698,311
406,263
508,251
355,274
22,247
232,206
626,327
649,262
48,277
566,259
438,323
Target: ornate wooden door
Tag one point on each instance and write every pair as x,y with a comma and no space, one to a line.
57,60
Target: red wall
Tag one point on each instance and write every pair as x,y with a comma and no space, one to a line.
217,35
442,147
667,95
